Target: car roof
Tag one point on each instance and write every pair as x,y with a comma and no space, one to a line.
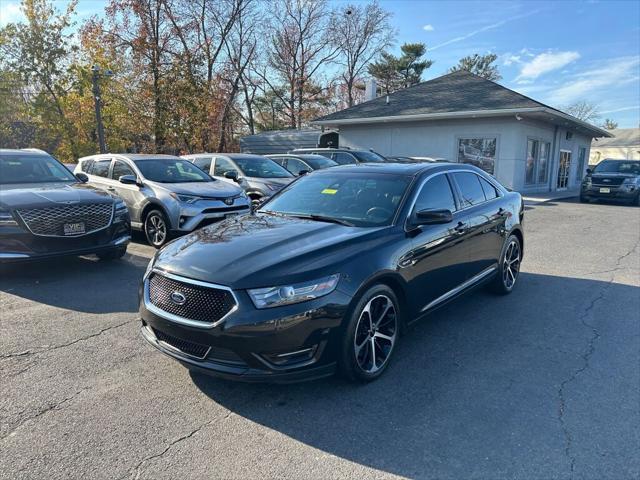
17,151
310,156
409,169
132,156
326,149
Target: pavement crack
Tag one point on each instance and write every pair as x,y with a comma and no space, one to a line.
136,471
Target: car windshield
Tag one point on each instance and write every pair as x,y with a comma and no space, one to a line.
32,169
318,161
261,167
618,166
171,170
364,156
356,199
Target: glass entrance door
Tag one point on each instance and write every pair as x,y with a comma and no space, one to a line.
563,170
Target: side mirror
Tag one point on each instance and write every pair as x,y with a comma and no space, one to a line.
128,180
302,172
232,175
589,171
82,177
433,217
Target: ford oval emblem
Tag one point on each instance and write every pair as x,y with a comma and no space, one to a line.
178,298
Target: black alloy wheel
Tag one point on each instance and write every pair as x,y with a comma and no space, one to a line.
156,228
509,267
372,334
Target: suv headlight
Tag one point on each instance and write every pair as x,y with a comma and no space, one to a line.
631,181
6,219
149,267
185,198
288,294
121,212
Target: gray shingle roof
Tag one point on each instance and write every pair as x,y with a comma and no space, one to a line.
623,137
455,92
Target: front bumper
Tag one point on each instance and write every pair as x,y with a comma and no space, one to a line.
283,344
205,212
621,193
17,244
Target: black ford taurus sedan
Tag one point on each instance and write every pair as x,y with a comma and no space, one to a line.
46,211
329,272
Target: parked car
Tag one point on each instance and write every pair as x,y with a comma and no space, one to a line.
401,159
302,162
46,211
344,156
612,180
328,272
260,177
166,195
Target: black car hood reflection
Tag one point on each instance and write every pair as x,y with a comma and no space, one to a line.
32,195
263,250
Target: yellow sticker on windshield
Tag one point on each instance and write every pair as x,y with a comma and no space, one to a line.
329,191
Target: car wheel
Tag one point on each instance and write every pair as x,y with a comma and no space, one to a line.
156,228
371,335
112,254
509,269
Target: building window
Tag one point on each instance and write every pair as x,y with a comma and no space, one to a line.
480,152
537,166
582,157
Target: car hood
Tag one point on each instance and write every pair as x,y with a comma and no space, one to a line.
284,181
613,175
34,195
263,250
203,189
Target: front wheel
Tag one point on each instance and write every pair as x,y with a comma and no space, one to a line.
509,267
156,228
371,335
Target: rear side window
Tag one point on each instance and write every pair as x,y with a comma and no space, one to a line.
100,168
470,188
436,194
86,166
203,163
490,191
120,169
343,158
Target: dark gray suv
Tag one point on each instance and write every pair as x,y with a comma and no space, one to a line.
166,195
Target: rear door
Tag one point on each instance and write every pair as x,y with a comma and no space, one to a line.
131,194
482,221
99,173
437,263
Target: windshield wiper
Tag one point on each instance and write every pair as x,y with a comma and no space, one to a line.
322,218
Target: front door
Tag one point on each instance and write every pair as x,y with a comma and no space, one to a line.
563,170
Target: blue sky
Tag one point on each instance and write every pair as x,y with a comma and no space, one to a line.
557,52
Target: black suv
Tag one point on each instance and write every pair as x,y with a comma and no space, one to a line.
344,156
612,180
46,211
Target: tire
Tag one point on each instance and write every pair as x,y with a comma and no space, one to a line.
114,254
356,361
509,267
156,228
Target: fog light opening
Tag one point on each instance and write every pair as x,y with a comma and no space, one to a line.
292,357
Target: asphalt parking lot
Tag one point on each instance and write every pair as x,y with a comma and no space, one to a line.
541,384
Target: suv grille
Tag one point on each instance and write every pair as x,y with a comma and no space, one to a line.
202,304
50,221
607,181
186,347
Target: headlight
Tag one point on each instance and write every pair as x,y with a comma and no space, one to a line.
631,181
287,294
6,219
149,267
243,194
120,205
185,198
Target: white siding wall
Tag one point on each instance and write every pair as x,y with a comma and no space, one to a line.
440,139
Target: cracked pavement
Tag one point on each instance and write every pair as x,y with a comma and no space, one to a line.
541,384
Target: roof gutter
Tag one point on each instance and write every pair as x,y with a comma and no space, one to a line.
465,114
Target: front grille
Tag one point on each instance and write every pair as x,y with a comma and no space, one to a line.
610,182
189,348
202,304
50,221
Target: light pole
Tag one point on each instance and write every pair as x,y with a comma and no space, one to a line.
95,77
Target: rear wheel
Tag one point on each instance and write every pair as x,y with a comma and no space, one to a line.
371,335
156,228
509,268
114,254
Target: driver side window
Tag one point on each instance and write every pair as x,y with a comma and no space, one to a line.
436,194
223,166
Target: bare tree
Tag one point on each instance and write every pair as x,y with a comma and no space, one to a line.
360,32
300,45
583,110
610,124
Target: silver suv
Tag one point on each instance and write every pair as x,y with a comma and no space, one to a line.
166,195
260,177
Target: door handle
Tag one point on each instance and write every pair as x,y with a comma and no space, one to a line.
460,228
111,189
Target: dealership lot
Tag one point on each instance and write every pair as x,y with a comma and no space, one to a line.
544,383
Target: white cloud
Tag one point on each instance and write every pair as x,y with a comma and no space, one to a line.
10,12
545,63
484,29
510,59
428,28
622,109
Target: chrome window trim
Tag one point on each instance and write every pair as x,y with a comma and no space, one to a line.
113,209
459,288
182,320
